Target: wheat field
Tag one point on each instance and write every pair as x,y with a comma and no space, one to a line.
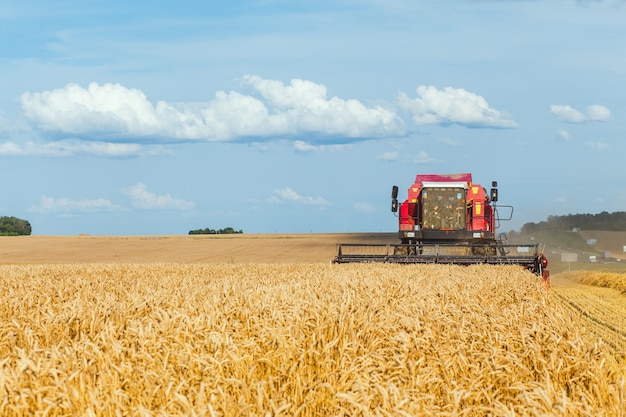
599,279
294,339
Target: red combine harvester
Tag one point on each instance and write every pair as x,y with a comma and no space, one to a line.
448,219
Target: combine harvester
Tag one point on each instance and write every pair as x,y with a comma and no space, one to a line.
447,219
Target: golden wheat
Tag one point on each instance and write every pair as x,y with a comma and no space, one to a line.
293,340
599,279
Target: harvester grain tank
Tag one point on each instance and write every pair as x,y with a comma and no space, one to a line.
447,218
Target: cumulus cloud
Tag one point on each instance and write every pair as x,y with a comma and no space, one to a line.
262,110
67,205
594,113
563,134
305,106
144,199
70,147
114,112
452,106
306,147
282,195
302,146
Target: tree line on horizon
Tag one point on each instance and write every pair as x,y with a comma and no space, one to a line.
207,231
610,222
12,226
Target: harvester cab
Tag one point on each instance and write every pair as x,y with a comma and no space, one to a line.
447,218
446,209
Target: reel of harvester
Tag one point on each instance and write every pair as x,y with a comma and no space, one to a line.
527,256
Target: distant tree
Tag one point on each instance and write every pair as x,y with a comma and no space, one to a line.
615,222
207,231
12,226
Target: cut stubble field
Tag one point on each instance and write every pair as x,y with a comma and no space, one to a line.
265,325
272,248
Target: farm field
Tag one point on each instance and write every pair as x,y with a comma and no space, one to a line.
179,249
599,299
265,325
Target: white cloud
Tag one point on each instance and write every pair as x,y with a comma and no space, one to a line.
77,147
11,149
306,147
364,207
66,205
302,146
424,158
598,113
563,134
594,113
598,146
144,199
450,141
114,112
303,105
288,195
452,106
567,113
389,156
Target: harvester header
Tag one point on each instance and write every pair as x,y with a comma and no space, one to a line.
447,218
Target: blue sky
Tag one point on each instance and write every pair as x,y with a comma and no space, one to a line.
123,118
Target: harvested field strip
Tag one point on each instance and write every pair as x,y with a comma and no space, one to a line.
599,316
599,300
294,340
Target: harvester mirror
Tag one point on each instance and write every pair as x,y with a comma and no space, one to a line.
494,191
394,196
494,194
